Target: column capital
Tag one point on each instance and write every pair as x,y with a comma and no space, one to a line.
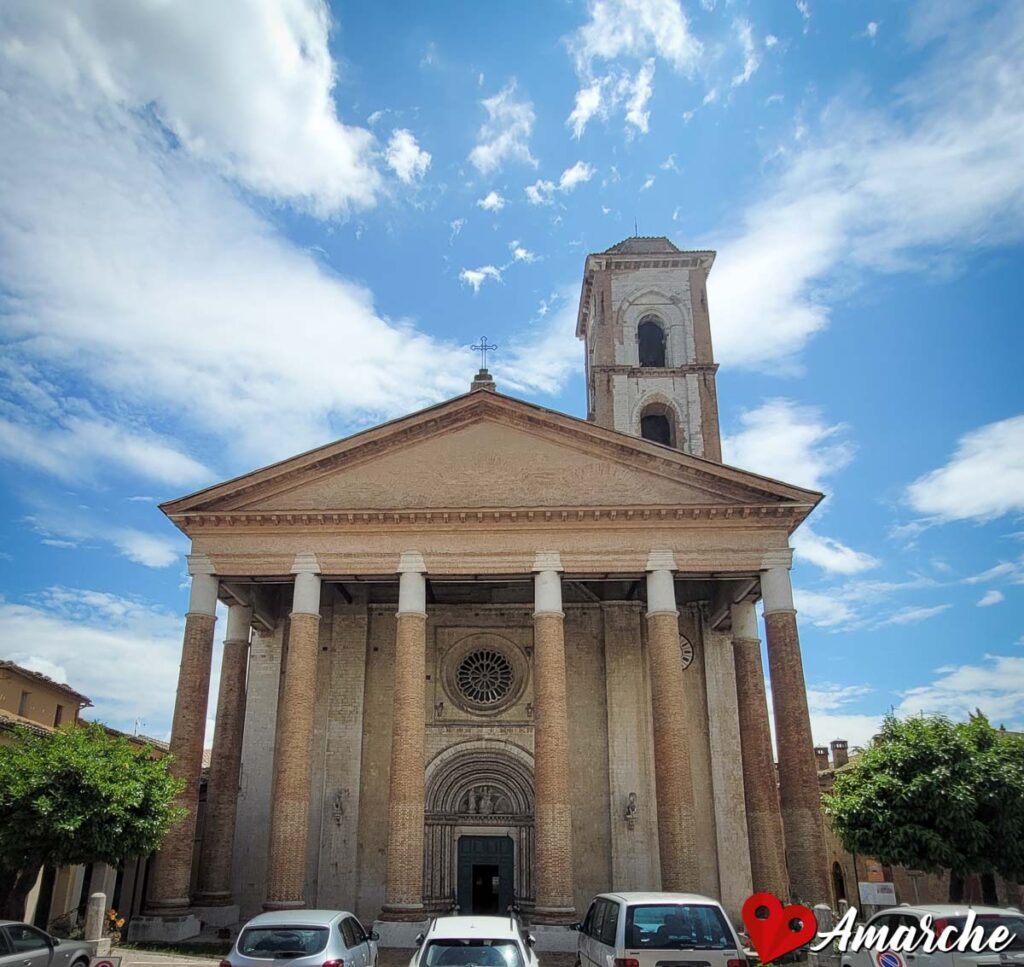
776,590
660,559
547,593
239,621
661,592
411,562
744,621
547,561
306,563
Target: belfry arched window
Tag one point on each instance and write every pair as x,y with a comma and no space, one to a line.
658,424
650,338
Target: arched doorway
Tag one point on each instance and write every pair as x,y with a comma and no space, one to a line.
478,836
838,882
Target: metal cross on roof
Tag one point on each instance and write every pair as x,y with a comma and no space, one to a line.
484,348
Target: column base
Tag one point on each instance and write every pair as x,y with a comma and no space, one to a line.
400,933
217,914
403,913
175,907
554,916
99,948
163,929
271,905
554,938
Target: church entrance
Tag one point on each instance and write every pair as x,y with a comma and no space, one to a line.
486,875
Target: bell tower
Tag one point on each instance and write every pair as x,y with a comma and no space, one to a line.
643,316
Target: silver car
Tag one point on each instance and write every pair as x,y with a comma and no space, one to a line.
304,938
22,945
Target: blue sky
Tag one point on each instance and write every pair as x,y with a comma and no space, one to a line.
229,232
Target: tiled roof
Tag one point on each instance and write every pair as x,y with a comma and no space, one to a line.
10,722
642,245
44,680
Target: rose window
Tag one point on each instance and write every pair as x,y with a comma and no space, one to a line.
485,677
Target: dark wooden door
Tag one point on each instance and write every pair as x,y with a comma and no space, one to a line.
486,879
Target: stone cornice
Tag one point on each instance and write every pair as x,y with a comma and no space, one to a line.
751,514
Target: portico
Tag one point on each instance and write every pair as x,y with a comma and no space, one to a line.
491,642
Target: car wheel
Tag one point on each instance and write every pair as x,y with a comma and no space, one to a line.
80,963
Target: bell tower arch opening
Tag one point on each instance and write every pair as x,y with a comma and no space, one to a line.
643,316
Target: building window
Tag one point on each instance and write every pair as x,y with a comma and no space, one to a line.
23,705
650,339
58,716
658,424
485,677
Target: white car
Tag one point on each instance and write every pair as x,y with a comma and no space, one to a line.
647,929
943,915
474,942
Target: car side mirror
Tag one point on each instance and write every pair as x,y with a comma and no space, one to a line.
577,926
419,939
530,940
374,935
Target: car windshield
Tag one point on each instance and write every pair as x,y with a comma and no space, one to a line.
989,921
282,942
678,926
472,953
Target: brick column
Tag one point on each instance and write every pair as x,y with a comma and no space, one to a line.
798,775
403,898
673,782
552,804
760,786
222,789
171,875
289,814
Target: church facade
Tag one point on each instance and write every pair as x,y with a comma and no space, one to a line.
489,653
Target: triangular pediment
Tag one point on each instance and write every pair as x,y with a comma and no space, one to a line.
482,451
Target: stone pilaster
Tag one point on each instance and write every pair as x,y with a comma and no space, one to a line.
289,816
799,795
673,781
222,788
552,809
403,899
760,786
171,876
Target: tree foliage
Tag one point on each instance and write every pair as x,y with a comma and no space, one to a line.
78,795
935,795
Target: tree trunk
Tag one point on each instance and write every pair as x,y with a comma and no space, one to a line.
989,895
956,887
15,886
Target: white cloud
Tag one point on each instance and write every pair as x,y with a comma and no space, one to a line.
784,440
505,135
1004,569
246,87
822,609
588,103
520,253
637,113
542,191
90,637
79,448
751,56
575,175
491,202
477,277
139,276
870,191
805,11
636,28
648,183
405,157
871,30
996,686
71,527
984,478
860,604
990,598
830,554
912,616
456,226
770,40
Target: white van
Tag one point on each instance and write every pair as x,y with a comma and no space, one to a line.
657,930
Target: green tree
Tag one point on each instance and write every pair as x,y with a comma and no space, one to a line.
936,795
77,795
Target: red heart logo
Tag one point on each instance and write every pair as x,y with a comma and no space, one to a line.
783,928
